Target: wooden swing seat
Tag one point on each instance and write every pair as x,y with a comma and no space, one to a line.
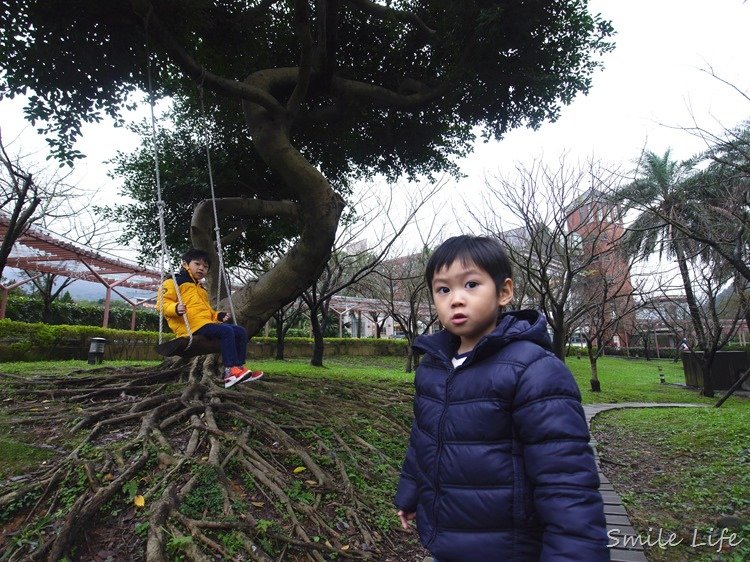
182,347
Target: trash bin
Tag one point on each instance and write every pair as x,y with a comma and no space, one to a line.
96,350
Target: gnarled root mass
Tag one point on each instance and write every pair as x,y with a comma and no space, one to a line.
167,464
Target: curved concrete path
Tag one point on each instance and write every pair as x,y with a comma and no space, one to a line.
622,533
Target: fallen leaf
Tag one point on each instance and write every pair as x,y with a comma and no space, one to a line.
311,482
328,544
345,547
139,501
299,469
108,477
258,504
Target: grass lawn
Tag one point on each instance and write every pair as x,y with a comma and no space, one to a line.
633,380
679,470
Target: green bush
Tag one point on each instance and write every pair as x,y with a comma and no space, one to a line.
19,340
28,309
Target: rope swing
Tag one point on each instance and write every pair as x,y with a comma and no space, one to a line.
191,345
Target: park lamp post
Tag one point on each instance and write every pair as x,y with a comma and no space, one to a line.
96,350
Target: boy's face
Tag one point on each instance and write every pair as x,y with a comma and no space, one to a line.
197,268
468,302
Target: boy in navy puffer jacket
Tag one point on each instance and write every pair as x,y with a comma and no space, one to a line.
498,466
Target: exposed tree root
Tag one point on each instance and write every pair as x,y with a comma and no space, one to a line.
264,471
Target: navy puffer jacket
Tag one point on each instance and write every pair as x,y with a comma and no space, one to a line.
498,466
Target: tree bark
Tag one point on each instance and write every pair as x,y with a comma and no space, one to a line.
318,343
689,295
318,210
595,384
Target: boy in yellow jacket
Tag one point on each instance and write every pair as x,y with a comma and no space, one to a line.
204,320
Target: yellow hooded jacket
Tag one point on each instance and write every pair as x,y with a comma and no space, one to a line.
194,297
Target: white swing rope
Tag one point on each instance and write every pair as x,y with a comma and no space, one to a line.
160,207
222,271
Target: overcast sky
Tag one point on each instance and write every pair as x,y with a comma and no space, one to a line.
652,83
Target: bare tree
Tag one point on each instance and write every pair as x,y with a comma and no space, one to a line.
711,276
612,306
21,198
400,286
352,259
284,318
562,225
45,197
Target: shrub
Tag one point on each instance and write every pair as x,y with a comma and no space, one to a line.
29,309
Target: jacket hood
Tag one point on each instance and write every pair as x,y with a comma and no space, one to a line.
517,325
184,276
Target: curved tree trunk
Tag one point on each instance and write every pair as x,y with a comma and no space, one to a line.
318,209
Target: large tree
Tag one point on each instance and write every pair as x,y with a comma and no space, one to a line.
302,97
330,90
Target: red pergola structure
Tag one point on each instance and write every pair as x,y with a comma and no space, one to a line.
38,251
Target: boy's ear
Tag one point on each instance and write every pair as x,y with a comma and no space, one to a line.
505,292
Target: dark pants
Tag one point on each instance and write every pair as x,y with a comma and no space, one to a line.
233,340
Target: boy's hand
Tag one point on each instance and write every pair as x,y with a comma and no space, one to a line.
181,309
405,517
227,317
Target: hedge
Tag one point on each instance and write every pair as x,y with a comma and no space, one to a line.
22,341
28,309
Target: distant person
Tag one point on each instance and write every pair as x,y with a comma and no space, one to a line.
498,466
204,320
682,347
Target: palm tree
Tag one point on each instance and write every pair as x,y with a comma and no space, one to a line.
661,192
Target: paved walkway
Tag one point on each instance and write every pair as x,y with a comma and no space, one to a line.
618,523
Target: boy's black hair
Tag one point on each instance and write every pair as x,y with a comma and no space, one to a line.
196,254
486,253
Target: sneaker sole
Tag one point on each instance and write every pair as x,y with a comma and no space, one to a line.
251,378
230,384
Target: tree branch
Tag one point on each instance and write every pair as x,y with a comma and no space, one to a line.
386,12
383,97
195,70
302,21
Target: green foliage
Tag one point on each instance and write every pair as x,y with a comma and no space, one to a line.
17,339
141,528
17,456
73,486
233,542
130,489
177,545
27,500
300,493
23,308
487,65
205,499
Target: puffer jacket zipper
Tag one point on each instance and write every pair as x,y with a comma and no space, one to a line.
439,455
